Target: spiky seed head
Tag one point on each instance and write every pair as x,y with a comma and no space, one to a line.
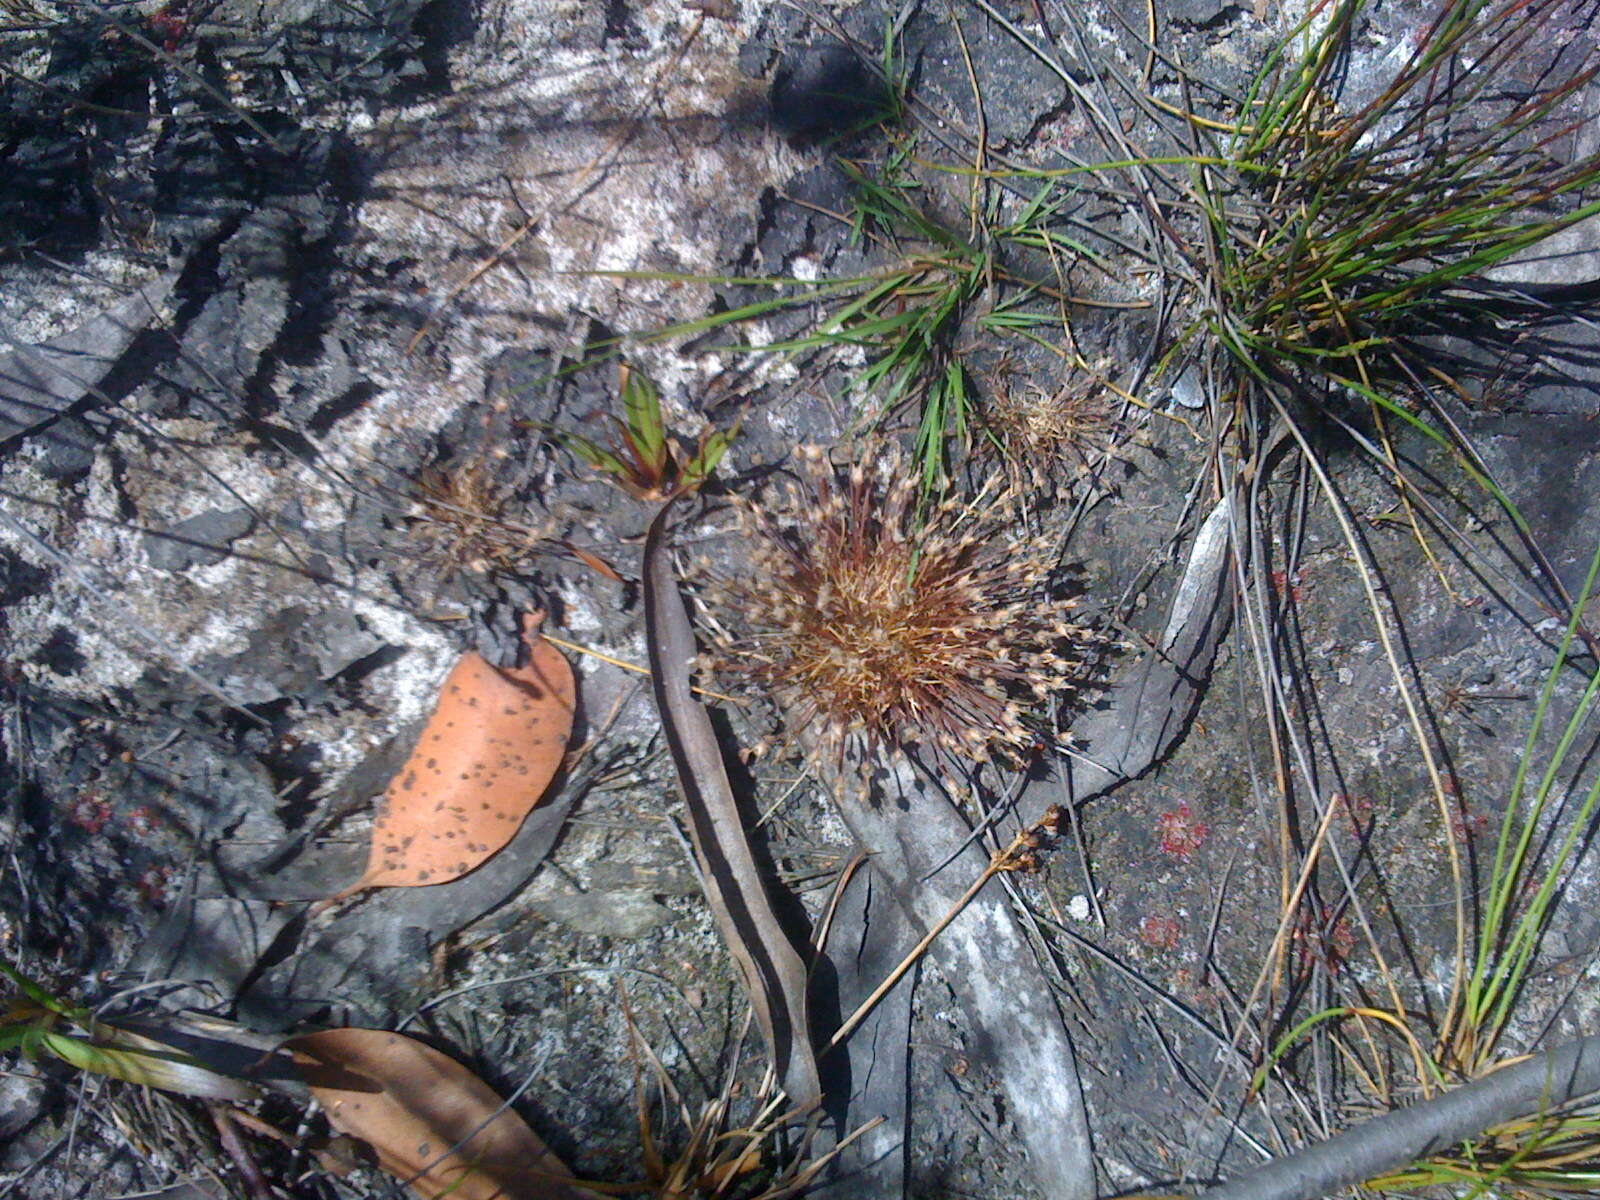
458,518
1045,428
875,628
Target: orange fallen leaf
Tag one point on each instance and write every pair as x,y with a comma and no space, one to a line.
593,561
493,744
434,1125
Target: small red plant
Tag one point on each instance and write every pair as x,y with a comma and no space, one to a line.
1160,932
143,821
89,812
1320,938
170,24
153,884
1358,812
1182,833
1286,585
1466,826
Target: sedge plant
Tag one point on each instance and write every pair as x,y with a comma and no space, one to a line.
1544,834
1340,233
906,321
1335,230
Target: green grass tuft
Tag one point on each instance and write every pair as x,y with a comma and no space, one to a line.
1336,231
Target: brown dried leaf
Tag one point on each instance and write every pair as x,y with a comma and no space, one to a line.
433,1124
774,974
593,561
484,760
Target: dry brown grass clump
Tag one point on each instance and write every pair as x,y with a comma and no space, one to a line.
876,628
1043,429
457,517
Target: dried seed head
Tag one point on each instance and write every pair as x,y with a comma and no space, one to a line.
1042,429
874,629
458,519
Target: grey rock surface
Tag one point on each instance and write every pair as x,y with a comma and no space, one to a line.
826,89
1569,258
252,508
202,540
627,915
42,387
22,1098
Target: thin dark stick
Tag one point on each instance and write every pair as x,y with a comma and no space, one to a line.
249,1170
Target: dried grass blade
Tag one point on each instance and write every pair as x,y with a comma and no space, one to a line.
774,973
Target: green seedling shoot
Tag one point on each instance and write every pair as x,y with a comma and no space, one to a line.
644,460
38,1024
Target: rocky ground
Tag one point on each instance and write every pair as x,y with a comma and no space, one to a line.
297,298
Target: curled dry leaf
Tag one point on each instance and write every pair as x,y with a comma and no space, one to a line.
774,974
433,1124
493,744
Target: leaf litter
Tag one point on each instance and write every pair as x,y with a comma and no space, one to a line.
773,972
433,1124
486,757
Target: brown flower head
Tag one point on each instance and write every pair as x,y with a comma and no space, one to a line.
876,627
